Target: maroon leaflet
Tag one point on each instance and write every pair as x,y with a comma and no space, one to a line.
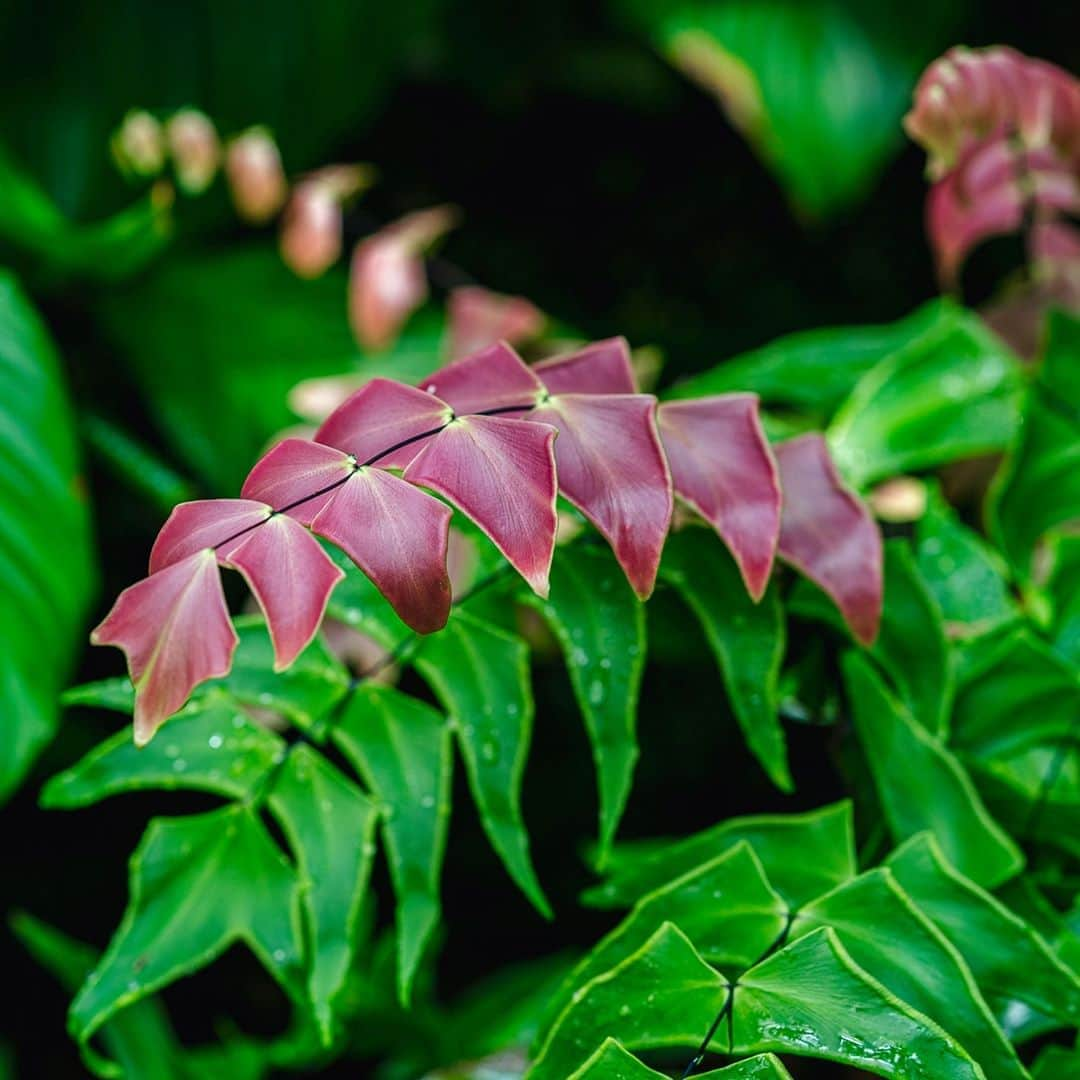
479,317
722,467
828,534
494,378
290,473
600,368
206,523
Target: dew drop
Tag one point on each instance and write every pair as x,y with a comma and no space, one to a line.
215,741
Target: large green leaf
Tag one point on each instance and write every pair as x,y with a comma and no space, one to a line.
1064,591
613,1062
895,943
46,559
1009,960
812,998
952,393
817,86
210,746
198,884
814,370
1039,486
726,907
600,626
804,855
662,995
920,783
966,576
401,747
481,676
330,825
747,639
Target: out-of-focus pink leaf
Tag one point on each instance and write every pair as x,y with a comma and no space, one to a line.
380,415
195,149
387,282
310,239
828,534
501,473
174,629
479,317
290,473
291,577
721,465
612,468
494,378
205,523
604,367
256,176
397,535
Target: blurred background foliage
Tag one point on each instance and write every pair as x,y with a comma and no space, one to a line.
588,149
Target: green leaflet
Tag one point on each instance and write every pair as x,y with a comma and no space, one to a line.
330,825
197,885
1007,957
1056,1062
896,944
210,746
817,88
910,646
1039,485
1064,591
804,855
116,694
613,1062
304,692
726,907
139,1038
814,370
966,576
357,603
662,995
401,747
921,784
600,626
481,676
950,394
812,998
46,559
748,639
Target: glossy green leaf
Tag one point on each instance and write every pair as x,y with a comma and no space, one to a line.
895,943
812,998
726,907
139,1038
197,884
401,747
747,639
481,676
330,826
357,603
804,855
949,394
920,783
116,694
1039,485
600,625
613,1062
814,370
45,558
304,692
966,576
818,88
1009,960
210,746
1064,591
1055,1063
663,995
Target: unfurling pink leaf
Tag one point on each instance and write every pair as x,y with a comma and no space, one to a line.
384,414
387,282
256,176
494,378
604,367
291,577
479,317
206,523
397,535
721,466
501,473
175,631
612,468
195,149
828,534
290,474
